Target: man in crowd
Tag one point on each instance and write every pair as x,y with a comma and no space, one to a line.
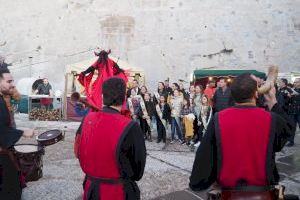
210,90
284,100
10,185
135,88
45,89
238,150
295,103
167,87
222,98
111,148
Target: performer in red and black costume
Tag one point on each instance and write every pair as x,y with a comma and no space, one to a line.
11,179
238,150
106,68
111,150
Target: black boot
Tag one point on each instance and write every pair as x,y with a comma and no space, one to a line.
149,137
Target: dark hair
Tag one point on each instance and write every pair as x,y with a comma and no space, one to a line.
114,90
200,86
162,83
103,56
290,85
148,93
205,97
243,88
177,86
188,102
285,81
163,97
3,70
145,88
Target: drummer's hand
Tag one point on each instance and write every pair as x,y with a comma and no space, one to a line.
29,133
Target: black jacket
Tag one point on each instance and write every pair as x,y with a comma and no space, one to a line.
222,99
207,163
166,112
149,107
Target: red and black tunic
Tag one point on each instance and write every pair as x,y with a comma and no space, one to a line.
112,154
239,148
10,185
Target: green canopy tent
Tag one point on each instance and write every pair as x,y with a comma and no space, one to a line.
202,76
225,73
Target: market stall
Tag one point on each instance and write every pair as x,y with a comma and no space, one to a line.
72,85
203,76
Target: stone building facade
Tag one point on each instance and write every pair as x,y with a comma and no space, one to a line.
167,38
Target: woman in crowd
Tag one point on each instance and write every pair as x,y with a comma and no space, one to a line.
204,117
182,90
191,94
176,104
197,107
163,116
144,90
188,118
134,105
146,112
161,89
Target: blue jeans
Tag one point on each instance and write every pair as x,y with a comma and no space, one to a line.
175,126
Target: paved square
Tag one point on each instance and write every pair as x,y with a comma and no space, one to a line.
166,175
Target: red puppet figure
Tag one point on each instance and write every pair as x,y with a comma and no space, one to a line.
107,68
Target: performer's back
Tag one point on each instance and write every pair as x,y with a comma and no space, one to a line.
244,136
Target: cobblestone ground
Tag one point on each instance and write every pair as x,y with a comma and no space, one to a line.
166,171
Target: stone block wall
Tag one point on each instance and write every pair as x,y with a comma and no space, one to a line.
167,38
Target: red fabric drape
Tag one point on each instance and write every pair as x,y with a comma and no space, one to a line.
94,90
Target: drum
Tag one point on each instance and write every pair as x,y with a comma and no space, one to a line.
50,137
30,160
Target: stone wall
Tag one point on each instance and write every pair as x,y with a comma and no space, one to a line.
167,38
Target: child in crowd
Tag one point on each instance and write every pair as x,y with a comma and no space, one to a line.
146,112
204,117
188,119
176,103
163,115
133,104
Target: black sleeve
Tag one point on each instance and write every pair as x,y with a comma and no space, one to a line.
88,70
119,70
8,136
204,172
230,100
128,93
132,156
214,100
283,129
167,112
153,109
